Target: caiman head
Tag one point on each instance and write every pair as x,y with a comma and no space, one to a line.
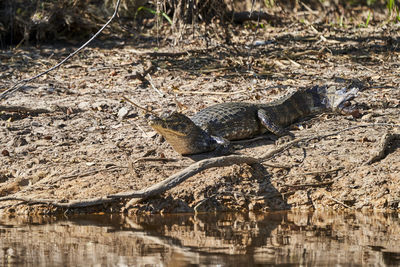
182,134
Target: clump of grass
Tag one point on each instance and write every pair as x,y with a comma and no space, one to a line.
393,10
154,12
366,23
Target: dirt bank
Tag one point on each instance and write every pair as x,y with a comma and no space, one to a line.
87,141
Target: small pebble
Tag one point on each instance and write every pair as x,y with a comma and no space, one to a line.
122,113
84,105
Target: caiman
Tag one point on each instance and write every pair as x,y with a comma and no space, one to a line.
211,128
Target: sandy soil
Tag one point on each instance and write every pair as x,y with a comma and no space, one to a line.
89,142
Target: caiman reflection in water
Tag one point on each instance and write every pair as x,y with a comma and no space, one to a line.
224,239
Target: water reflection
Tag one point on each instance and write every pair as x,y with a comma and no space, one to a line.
224,239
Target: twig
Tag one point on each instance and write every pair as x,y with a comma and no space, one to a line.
153,86
314,12
136,105
21,109
246,141
309,185
293,62
141,129
209,92
17,86
278,166
154,159
80,175
195,168
338,201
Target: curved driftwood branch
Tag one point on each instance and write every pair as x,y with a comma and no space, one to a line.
186,173
153,190
60,203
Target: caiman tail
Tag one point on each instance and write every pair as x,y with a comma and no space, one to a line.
303,103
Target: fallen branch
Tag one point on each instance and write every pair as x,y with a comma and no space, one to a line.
61,203
316,172
309,185
153,190
186,173
208,92
80,175
154,159
278,166
338,201
17,86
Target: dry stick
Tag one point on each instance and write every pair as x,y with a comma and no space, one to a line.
338,201
80,175
252,140
310,185
317,172
209,93
158,188
17,86
136,105
278,166
59,203
154,159
153,86
183,175
21,109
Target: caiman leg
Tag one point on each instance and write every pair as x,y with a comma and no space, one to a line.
271,126
224,146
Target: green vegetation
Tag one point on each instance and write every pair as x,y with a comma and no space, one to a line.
34,21
154,12
393,10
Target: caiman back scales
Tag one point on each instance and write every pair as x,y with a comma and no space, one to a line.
212,128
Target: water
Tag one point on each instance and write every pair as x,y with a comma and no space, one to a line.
225,239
